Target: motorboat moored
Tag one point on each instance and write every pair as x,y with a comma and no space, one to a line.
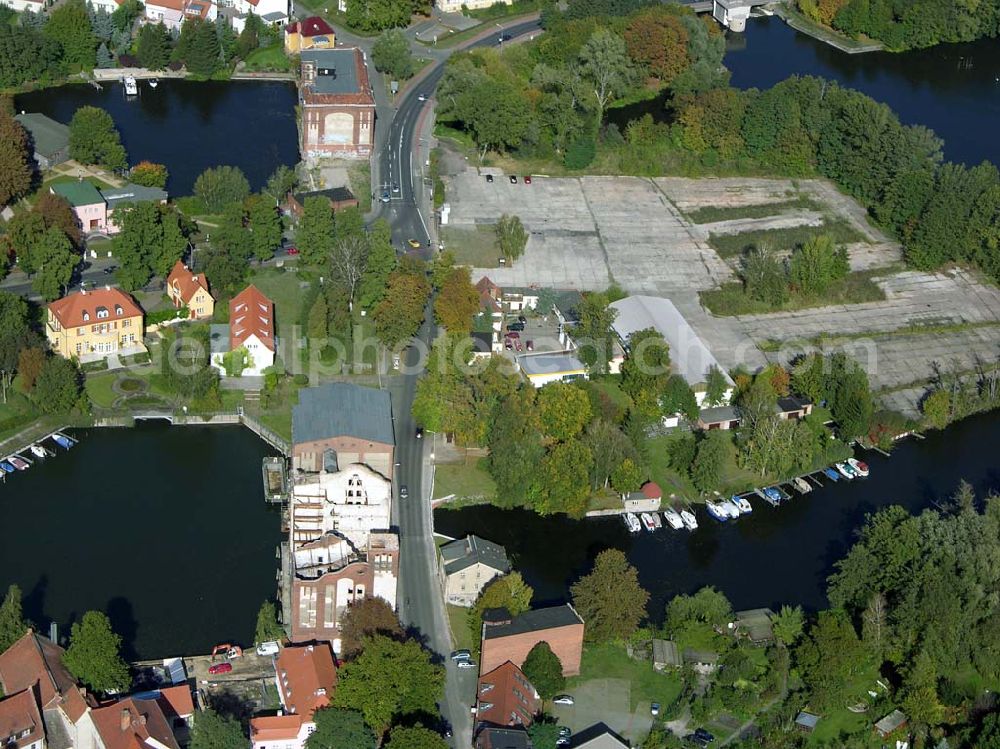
743,504
18,462
689,520
632,522
859,466
831,474
673,518
801,485
6,467
153,83
716,511
131,86
844,470
39,451
647,522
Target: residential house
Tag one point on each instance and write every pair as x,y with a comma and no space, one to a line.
250,330
505,697
173,13
457,6
49,139
492,737
187,289
308,34
353,502
20,6
511,638
792,408
109,6
491,302
468,565
133,723
306,678
91,325
118,199
340,199
95,208
647,499
272,12
33,667
338,109
177,705
339,424
484,344
598,736
689,356
541,369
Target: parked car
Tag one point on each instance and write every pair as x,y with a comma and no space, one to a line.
292,251
403,492
460,655
513,179
466,664
413,243
527,179
268,648
703,734
563,699
385,196
489,178
515,326
563,741
220,668
654,709
522,319
420,433
422,97
110,269
530,345
512,334
565,731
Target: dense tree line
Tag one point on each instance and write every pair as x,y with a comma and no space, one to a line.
906,24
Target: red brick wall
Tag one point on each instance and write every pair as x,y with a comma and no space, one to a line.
566,642
342,445
359,572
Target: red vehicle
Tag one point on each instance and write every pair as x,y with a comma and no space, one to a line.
527,179
292,251
220,668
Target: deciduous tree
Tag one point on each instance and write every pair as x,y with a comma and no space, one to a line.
221,186
153,48
381,264
55,259
627,477
57,213
563,410
544,670
12,622
710,460
657,39
337,728
716,386
264,225
563,480
706,606
605,64
610,599
93,139
399,314
214,731
70,26
15,159
268,628
30,362
509,592
512,237
147,173
515,443
829,657
368,618
94,652
457,302
391,54
787,625
414,737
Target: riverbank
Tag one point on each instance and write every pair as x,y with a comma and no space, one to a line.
845,44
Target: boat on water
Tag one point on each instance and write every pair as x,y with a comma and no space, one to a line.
131,86
153,83
773,494
831,474
742,504
771,499
673,518
6,467
860,467
39,451
19,463
801,485
657,523
62,440
647,522
716,511
844,470
632,522
689,520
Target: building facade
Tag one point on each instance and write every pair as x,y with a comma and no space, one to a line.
511,638
468,565
95,208
505,697
338,109
308,34
187,289
251,331
91,325
306,678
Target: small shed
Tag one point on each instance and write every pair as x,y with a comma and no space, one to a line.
806,722
719,417
755,625
666,655
891,723
704,658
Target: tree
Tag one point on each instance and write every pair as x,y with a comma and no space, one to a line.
337,728
15,159
563,410
381,264
57,213
198,47
562,481
647,367
221,186
374,15
399,314
457,302
605,64
58,386
249,38
125,15
610,598
12,623
874,626
627,477
55,260
787,625
93,139
69,25
829,657
149,243
391,54
280,183
515,444
315,231
656,38
267,624
936,408
348,258
153,47
94,652
544,670
593,331
214,731
716,386
710,461
764,276
148,174
15,335
264,226
817,264
26,54
707,606
390,680
416,737
609,447
369,618
511,237
679,398
318,320
104,58
30,362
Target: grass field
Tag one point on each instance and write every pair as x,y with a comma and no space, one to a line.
269,58
612,662
284,289
783,240
475,247
710,214
461,635
467,480
855,288
99,389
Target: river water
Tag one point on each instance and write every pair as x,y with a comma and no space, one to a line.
190,126
774,556
164,528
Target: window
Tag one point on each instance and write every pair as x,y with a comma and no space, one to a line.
86,316
126,323
102,312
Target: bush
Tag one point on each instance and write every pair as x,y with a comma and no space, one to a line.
581,153
301,379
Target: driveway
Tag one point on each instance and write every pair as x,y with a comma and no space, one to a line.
607,701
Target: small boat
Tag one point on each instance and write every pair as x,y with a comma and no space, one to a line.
131,87
39,451
801,485
859,466
831,474
632,522
647,521
153,83
657,523
716,511
6,467
743,504
774,494
689,520
843,470
62,440
19,463
771,498
673,518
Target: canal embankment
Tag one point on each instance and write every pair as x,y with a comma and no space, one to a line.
845,44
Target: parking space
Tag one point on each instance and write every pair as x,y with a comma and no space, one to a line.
605,700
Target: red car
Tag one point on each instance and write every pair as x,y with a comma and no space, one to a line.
527,179
220,668
292,251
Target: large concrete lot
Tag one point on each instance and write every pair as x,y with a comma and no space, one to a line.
588,232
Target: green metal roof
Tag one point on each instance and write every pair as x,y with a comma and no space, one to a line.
78,193
49,136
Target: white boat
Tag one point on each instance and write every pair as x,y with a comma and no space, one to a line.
657,523
844,470
732,507
39,451
743,504
632,522
153,83
716,511
689,520
673,518
131,86
803,486
860,467
647,521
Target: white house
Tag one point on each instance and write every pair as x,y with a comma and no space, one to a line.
173,12
353,502
109,5
250,333
468,565
23,5
455,6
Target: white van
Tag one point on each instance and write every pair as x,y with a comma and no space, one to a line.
268,648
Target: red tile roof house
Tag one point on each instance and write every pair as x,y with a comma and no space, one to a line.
187,289
251,326
60,710
505,697
306,678
511,638
133,724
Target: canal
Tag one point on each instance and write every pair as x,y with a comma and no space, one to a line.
954,89
190,126
163,528
774,556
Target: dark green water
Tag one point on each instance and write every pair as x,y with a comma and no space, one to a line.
164,528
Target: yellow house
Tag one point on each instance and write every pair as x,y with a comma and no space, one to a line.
312,33
91,325
187,289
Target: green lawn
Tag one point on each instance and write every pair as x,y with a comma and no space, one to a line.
461,635
855,288
710,214
779,240
16,413
269,58
612,662
467,480
475,247
99,389
284,289
360,176
62,178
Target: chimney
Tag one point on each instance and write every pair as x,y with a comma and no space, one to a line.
126,719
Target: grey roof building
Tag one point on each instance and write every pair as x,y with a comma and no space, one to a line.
598,736
50,139
336,72
493,737
117,197
468,565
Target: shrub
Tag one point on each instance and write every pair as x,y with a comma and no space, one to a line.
581,153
